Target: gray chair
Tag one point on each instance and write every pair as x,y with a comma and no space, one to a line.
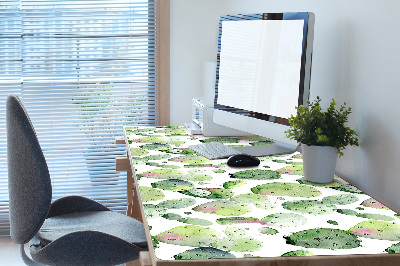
70,231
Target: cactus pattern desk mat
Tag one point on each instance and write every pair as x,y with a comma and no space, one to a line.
198,208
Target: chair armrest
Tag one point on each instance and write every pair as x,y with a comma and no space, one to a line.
72,204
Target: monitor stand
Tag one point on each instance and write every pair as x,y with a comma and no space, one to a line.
275,148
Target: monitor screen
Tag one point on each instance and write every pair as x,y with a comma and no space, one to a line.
260,63
263,71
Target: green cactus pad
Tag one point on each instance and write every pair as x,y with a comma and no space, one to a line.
172,130
168,166
177,203
180,151
347,212
314,207
291,170
239,220
150,139
224,208
286,189
209,193
374,204
395,248
235,232
219,171
377,230
138,152
298,253
285,219
189,235
153,211
243,244
260,201
325,238
163,174
221,140
187,220
267,231
173,184
204,253
150,194
256,174
334,183
156,146
341,199
348,188
232,184
373,216
189,159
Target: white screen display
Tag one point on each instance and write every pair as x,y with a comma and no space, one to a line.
260,63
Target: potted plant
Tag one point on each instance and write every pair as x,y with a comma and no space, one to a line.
323,135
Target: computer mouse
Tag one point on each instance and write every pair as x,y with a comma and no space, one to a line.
242,160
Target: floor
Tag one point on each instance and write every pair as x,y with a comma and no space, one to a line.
9,253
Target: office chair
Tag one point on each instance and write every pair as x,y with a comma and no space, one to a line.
70,231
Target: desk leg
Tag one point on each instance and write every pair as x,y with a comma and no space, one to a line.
132,198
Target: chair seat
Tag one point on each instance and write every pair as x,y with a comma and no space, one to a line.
108,222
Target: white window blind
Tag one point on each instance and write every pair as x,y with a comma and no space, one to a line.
83,69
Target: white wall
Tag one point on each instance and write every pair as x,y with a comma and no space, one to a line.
355,60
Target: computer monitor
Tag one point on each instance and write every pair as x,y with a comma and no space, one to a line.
263,73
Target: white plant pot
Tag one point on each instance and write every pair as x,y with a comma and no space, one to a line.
319,163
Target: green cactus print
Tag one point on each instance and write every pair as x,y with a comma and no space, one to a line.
285,219
138,152
162,174
286,189
204,253
189,235
259,201
187,220
243,244
267,231
189,159
221,140
314,207
177,203
334,183
256,174
156,146
209,193
224,208
325,238
374,204
377,230
341,199
395,248
291,170
348,188
232,184
173,184
298,253
150,194
203,209
239,220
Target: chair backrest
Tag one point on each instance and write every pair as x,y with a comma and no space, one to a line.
29,183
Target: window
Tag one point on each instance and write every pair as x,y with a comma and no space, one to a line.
83,69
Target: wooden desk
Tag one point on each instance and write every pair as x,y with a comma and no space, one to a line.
196,209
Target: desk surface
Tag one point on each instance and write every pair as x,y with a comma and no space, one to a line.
197,208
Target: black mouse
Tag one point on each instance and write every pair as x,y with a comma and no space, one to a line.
242,160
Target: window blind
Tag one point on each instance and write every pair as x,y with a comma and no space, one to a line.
83,69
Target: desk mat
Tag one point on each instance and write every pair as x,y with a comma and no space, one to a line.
199,209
